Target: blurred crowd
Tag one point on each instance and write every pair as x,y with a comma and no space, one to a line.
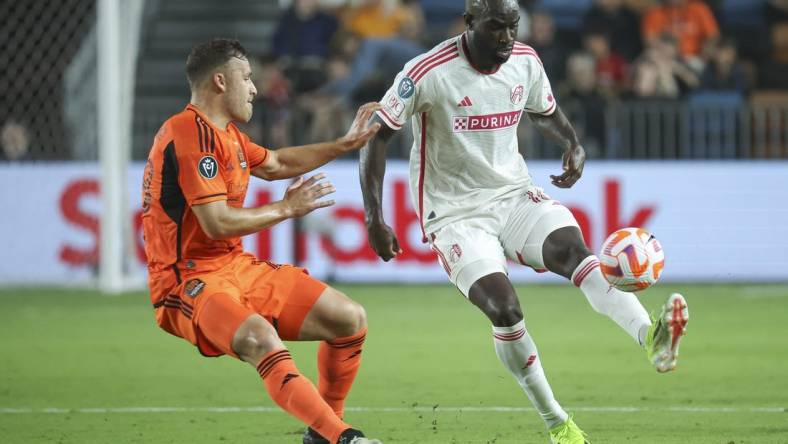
327,56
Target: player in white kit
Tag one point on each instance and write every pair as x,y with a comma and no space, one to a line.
477,203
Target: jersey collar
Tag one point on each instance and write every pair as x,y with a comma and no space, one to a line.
198,111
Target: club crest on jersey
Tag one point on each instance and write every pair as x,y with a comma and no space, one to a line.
207,167
406,88
455,253
193,287
516,95
486,122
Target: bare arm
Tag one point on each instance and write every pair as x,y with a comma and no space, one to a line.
557,128
220,221
294,161
372,169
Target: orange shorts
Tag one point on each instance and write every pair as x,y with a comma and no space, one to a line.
207,308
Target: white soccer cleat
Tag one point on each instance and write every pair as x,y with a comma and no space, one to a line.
662,339
361,440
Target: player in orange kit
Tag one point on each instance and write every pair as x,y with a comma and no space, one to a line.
204,287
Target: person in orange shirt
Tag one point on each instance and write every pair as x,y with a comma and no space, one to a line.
204,287
691,22
379,19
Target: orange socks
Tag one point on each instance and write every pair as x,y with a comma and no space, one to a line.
338,362
297,395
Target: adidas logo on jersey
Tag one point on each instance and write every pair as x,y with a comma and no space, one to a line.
466,101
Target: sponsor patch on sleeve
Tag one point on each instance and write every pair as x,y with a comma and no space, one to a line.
396,106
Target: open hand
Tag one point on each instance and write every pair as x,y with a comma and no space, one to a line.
303,196
360,130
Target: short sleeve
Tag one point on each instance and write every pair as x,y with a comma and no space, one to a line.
255,154
540,94
199,171
402,100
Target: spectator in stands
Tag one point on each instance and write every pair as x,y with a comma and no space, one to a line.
583,101
378,58
551,52
661,73
724,72
691,22
272,103
611,68
301,42
14,140
381,18
620,21
773,73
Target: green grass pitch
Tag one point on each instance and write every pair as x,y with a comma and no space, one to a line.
77,367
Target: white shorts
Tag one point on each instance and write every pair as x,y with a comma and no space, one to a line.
513,228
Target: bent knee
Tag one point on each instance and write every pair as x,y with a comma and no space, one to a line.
505,315
350,319
254,339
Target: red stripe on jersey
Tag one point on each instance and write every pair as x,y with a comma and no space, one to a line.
424,61
528,53
391,122
435,64
423,159
550,110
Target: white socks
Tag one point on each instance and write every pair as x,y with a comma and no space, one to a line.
517,351
623,308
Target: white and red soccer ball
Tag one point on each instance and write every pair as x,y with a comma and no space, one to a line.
631,259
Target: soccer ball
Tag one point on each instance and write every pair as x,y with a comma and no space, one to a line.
631,259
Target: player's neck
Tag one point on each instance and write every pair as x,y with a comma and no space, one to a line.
477,58
213,111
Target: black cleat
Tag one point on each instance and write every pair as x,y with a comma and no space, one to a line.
353,436
312,437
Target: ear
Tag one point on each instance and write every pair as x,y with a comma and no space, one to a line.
219,81
468,20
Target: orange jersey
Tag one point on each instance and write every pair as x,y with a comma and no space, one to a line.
691,24
192,162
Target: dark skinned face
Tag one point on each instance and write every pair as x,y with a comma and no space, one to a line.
491,34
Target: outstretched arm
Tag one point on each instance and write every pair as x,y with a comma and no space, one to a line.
294,161
372,169
557,128
221,221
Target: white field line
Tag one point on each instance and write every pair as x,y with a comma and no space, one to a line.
416,409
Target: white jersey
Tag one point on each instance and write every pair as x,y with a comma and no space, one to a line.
464,120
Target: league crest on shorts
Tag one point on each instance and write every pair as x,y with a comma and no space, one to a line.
516,94
193,287
406,87
455,253
207,167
